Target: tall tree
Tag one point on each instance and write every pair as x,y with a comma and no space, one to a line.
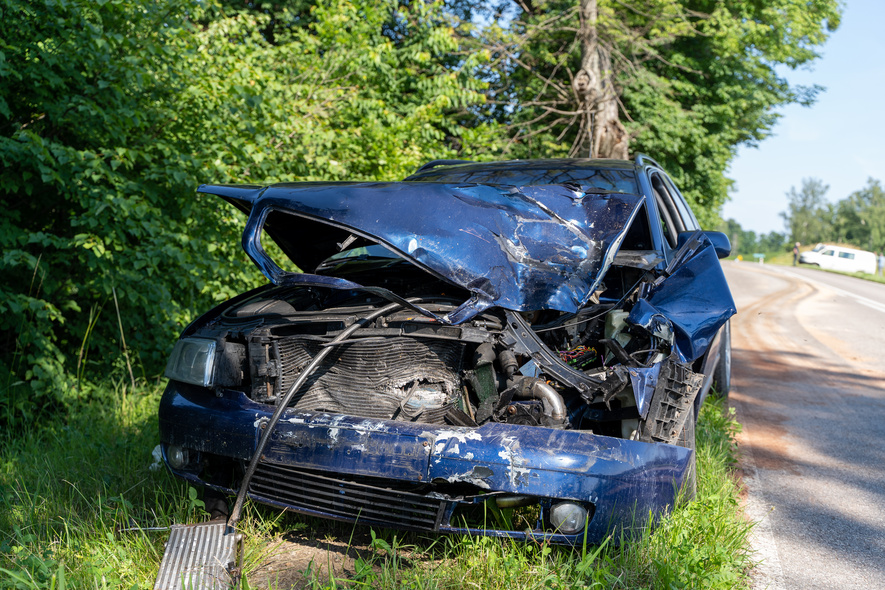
860,218
809,216
689,80
594,87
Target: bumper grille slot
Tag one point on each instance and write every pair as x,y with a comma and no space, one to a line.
344,499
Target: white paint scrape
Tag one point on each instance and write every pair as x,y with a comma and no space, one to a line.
443,436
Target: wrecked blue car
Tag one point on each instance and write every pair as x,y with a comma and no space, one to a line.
516,349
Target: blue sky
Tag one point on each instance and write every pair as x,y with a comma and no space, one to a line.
840,139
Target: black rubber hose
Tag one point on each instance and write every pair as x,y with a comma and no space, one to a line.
284,403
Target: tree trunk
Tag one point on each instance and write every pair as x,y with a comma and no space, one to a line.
601,130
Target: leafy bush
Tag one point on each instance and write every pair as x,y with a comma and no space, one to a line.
111,114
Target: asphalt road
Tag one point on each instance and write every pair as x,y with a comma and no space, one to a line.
809,388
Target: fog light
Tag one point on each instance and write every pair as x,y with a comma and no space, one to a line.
176,456
568,518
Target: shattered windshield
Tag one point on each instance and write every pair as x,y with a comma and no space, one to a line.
598,179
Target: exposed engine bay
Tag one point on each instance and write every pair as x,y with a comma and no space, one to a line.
546,368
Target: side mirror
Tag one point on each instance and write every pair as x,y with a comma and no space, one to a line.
719,240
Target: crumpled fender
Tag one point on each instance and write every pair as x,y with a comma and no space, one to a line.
693,302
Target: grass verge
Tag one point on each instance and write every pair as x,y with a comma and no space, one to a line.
70,490
857,275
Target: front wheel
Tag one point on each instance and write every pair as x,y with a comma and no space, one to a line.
722,371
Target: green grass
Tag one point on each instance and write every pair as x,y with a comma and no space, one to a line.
68,489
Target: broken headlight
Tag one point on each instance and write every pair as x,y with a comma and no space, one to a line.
193,361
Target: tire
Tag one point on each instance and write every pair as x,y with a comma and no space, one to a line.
722,371
687,440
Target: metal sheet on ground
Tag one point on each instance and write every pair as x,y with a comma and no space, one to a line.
200,557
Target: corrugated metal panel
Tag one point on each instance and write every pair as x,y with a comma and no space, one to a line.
199,557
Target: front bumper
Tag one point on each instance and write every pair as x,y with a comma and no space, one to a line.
416,476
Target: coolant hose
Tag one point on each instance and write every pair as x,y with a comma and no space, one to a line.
535,388
284,404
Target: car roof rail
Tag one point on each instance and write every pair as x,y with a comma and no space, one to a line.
435,163
643,160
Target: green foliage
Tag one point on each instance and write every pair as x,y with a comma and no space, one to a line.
100,193
696,78
809,216
746,243
113,112
860,218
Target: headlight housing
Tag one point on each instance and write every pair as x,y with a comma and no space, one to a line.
193,361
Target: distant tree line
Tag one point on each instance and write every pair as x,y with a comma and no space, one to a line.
857,220
111,114
745,243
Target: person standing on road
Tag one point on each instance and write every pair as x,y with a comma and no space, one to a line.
796,254
880,263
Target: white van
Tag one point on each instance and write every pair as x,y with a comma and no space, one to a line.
840,258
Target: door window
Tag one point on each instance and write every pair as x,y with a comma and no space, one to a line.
682,207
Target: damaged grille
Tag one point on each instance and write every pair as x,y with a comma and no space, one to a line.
344,499
672,403
386,378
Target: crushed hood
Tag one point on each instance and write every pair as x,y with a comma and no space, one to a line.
519,248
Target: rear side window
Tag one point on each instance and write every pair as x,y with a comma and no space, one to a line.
848,255
671,223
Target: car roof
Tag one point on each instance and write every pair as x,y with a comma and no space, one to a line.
542,164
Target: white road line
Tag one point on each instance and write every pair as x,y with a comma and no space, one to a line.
859,298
